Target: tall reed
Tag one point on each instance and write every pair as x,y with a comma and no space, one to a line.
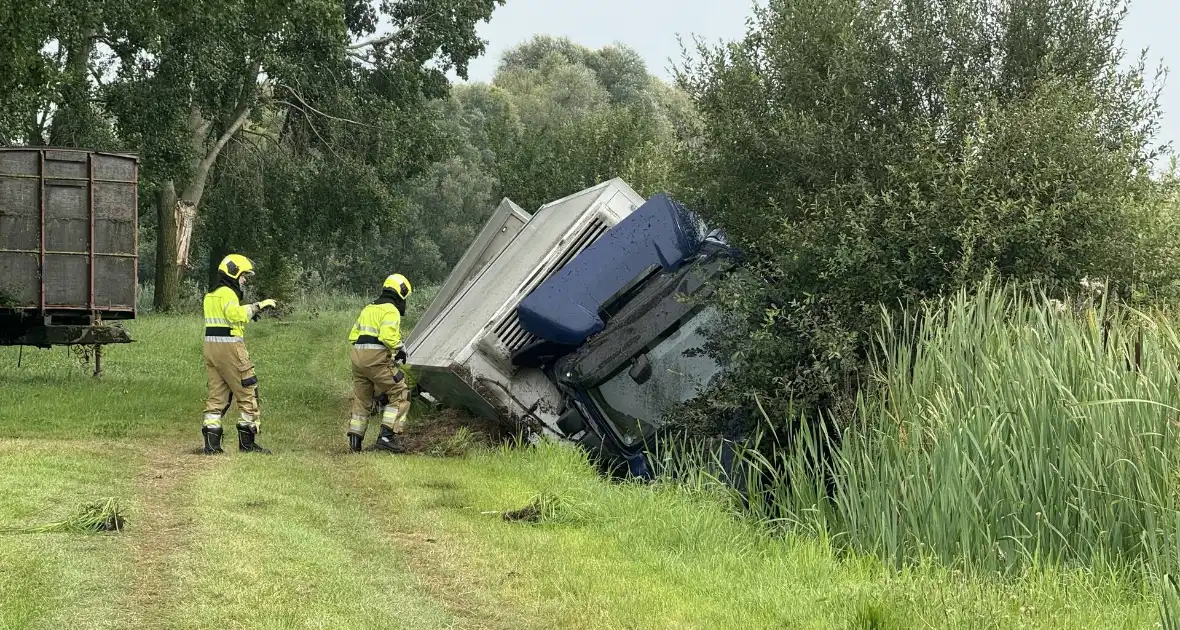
1000,432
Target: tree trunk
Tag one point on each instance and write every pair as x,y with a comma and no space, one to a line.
167,271
178,212
176,216
73,116
36,133
216,253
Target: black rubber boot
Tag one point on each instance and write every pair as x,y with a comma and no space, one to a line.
354,442
212,437
246,440
389,441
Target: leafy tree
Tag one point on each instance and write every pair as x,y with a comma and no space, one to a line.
584,116
542,130
619,70
52,58
867,153
209,68
488,119
25,72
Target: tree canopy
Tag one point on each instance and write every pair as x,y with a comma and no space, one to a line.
874,153
324,88
327,211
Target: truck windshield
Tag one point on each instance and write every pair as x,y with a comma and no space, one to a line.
638,409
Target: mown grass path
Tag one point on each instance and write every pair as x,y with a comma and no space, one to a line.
316,537
164,528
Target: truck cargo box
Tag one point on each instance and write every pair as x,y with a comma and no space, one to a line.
462,349
68,234
504,224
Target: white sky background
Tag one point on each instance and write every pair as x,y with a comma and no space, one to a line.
651,27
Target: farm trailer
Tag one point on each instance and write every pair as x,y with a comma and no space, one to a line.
69,247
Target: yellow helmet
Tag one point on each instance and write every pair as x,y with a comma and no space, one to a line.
399,284
235,265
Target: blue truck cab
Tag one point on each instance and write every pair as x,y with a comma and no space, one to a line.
621,329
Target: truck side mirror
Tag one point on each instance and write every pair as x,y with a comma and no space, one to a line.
640,371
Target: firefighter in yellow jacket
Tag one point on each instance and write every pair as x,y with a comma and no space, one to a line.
231,374
377,349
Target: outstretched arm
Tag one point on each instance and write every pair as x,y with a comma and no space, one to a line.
237,314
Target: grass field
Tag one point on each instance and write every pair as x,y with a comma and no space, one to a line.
316,537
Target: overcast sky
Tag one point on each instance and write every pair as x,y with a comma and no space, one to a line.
651,27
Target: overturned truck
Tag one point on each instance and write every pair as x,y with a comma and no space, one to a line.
578,320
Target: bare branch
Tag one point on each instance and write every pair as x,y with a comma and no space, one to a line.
251,147
328,116
240,116
387,38
359,57
311,123
376,41
259,134
239,119
97,76
199,125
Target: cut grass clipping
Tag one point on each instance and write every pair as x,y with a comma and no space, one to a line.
105,515
548,507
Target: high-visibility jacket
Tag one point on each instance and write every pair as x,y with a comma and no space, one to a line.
225,317
378,327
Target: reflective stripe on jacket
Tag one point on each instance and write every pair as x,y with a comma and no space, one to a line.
225,317
378,324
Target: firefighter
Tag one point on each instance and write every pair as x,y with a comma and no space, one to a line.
231,374
377,352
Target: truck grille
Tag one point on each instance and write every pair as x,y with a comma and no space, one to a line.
508,330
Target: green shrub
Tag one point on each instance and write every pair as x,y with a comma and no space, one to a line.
870,153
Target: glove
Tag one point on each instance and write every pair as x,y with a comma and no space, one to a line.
264,305
401,356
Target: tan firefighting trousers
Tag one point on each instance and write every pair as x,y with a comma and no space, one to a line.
373,373
231,379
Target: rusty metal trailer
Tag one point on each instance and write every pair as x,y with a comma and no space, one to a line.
69,244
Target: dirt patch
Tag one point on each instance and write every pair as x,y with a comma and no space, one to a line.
451,433
510,422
